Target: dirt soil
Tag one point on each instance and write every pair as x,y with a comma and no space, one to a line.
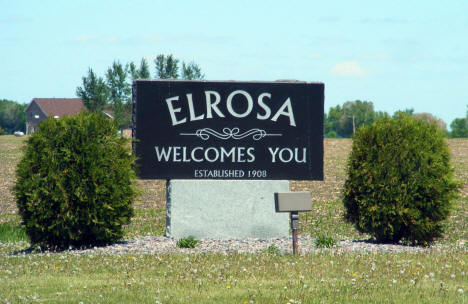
153,192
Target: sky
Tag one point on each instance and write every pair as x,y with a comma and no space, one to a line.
396,54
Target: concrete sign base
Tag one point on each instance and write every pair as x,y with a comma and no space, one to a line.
225,209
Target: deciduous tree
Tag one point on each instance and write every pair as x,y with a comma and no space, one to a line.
167,66
115,90
191,71
94,92
459,128
429,118
12,117
119,93
139,73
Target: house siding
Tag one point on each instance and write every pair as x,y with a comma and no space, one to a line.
31,121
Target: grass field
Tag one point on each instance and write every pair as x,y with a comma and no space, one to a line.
437,276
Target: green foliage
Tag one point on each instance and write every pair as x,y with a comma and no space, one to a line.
119,94
400,183
191,71
355,115
459,128
324,241
332,119
12,233
139,73
272,250
114,91
12,116
332,134
94,92
167,67
188,242
401,113
75,183
144,72
2,132
347,119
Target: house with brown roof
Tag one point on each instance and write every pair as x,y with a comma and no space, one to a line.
41,108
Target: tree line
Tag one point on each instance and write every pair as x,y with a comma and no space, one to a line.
113,91
12,116
459,126
344,120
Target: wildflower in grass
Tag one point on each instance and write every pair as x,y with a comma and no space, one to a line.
460,291
228,287
354,274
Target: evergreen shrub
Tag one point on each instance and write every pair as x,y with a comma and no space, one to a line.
75,183
399,183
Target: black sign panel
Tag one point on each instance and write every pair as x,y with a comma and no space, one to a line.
228,130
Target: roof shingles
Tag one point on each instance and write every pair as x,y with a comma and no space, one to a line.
60,106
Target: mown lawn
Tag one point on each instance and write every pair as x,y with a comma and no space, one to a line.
436,276
322,278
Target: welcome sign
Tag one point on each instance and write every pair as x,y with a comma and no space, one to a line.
228,130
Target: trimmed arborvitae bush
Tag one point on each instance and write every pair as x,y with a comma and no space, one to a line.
75,183
399,183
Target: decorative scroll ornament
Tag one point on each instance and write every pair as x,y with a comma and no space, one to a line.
228,133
